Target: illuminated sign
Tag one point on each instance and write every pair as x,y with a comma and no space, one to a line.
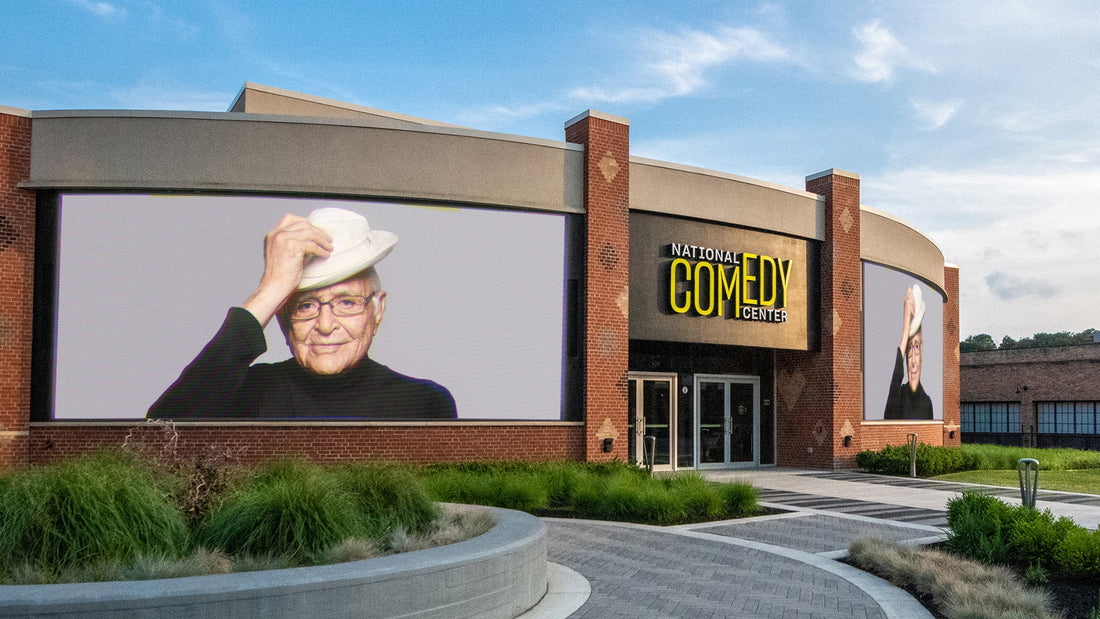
704,281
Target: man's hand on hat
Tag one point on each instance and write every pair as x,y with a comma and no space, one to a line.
287,248
907,319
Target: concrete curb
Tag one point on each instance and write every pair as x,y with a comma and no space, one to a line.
502,573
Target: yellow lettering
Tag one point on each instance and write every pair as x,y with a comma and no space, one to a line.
728,289
785,277
710,285
746,278
679,309
770,300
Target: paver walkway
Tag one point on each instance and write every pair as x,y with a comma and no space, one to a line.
773,566
639,571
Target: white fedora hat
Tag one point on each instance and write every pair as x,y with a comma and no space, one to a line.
355,247
918,311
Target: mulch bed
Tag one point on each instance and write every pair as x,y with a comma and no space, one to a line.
1075,598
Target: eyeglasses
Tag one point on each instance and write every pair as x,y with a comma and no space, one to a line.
343,305
914,349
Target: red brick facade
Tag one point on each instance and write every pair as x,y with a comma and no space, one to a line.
1031,375
416,443
952,436
818,393
16,287
606,143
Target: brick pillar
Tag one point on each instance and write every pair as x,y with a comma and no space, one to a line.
16,286
951,375
606,141
820,393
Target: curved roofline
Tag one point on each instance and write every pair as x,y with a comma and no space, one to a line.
725,175
307,120
898,220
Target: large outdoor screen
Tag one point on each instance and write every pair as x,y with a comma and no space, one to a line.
474,298
902,368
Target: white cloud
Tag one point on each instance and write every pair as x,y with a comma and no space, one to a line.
935,114
101,9
882,54
1024,241
676,63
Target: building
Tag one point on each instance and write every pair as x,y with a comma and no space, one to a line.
574,298
1038,397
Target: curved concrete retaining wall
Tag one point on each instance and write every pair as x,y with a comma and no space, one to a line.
499,574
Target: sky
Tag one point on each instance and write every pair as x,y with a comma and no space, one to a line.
978,123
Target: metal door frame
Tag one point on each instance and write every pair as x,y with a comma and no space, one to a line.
639,421
727,379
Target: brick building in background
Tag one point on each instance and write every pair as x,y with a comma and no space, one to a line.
1041,397
727,321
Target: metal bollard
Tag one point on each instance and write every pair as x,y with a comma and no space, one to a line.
1029,485
650,449
912,438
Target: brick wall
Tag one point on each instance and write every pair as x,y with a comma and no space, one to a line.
606,290
16,287
457,442
951,377
1030,375
820,393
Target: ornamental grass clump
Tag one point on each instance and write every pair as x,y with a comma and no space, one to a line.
97,509
388,497
957,587
286,508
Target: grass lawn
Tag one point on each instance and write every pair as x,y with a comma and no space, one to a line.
1085,480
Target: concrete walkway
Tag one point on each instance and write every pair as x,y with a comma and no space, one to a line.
782,565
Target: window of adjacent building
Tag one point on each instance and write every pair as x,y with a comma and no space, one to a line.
999,417
1067,417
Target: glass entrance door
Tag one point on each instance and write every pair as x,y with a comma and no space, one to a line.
652,412
727,418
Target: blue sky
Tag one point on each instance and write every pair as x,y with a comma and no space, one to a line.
976,122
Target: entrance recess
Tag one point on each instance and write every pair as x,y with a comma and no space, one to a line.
652,411
727,418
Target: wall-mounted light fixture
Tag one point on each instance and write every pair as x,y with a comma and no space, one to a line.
848,440
608,444
951,434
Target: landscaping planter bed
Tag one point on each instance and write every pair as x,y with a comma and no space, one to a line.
499,574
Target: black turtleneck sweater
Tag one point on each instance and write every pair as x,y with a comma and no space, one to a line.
222,383
902,402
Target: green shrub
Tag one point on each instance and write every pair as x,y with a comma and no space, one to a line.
106,507
932,460
606,490
1079,553
286,508
1033,535
977,523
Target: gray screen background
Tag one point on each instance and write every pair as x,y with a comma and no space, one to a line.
883,299
474,297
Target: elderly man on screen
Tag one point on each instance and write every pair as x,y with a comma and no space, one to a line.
907,400
319,282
